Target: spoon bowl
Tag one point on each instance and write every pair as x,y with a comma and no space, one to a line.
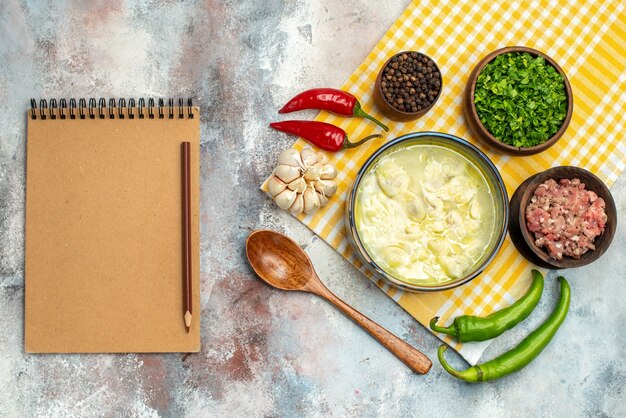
280,262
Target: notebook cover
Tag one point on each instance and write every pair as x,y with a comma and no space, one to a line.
104,263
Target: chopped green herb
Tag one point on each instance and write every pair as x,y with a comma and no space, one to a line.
520,99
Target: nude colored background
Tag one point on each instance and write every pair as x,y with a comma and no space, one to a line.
264,352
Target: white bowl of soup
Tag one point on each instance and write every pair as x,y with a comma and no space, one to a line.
427,211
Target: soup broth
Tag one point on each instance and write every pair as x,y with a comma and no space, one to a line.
425,214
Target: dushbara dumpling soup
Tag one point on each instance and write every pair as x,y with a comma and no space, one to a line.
425,214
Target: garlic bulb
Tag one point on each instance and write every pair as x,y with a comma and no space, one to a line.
302,182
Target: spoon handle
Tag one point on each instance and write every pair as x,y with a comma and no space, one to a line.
409,355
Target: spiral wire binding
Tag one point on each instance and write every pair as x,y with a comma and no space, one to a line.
72,107
120,108
82,104
43,105
101,105
112,108
142,104
62,107
131,108
53,107
115,108
151,108
92,107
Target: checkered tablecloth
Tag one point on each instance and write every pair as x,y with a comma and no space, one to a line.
587,40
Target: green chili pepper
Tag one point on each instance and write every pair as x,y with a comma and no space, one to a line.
466,328
520,356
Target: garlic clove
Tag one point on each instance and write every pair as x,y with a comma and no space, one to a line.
287,173
328,172
322,158
309,157
298,185
311,201
298,205
326,187
285,199
323,199
313,172
275,186
290,157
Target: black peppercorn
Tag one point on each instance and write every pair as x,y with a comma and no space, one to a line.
411,82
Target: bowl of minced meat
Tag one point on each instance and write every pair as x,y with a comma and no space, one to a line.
566,217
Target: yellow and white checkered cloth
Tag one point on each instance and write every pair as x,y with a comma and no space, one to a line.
587,40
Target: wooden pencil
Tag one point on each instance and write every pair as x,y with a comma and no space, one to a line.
186,208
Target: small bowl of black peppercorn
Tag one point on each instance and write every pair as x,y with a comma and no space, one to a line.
407,86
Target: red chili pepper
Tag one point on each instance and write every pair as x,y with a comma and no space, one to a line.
321,134
332,100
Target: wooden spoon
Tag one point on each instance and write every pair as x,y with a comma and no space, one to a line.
280,262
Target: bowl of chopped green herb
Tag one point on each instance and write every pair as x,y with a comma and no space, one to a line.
518,100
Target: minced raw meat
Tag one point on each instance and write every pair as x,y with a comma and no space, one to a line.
565,218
